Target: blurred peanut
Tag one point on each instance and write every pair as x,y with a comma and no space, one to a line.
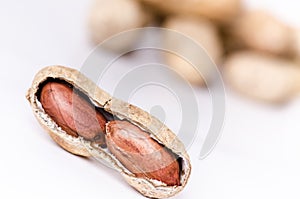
219,11
204,34
296,42
259,30
110,17
262,77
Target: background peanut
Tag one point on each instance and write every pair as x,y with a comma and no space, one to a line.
108,18
259,30
219,11
296,43
223,28
262,77
204,33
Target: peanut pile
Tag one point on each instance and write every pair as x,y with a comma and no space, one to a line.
257,53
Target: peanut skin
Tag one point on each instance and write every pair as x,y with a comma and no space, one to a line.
134,148
140,154
73,113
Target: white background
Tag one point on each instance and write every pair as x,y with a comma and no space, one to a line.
258,155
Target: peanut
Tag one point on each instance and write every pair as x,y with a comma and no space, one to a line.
205,35
259,30
110,17
134,148
219,11
72,113
296,43
262,77
140,154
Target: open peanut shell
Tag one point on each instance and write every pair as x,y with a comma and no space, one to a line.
79,146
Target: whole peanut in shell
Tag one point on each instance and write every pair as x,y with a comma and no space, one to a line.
220,11
262,77
296,43
110,17
259,30
204,35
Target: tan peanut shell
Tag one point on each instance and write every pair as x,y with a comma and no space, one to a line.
157,130
205,35
110,17
262,77
259,30
296,43
219,11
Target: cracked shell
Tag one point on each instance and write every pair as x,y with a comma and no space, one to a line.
120,109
